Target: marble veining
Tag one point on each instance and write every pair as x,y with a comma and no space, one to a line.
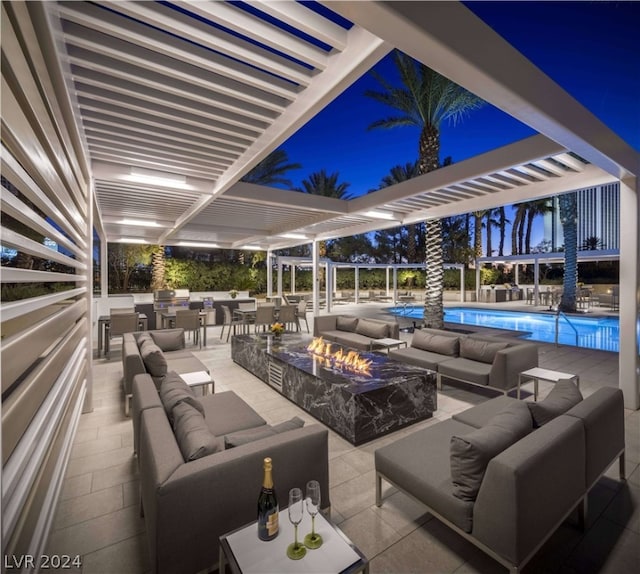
358,406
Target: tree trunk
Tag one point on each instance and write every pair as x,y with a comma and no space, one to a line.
489,240
434,280
477,234
158,266
514,232
568,217
429,160
521,226
527,240
411,243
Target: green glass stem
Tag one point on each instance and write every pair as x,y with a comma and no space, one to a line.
313,525
295,536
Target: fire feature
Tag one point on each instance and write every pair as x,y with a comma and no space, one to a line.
349,360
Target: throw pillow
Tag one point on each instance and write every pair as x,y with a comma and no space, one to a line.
562,397
375,330
169,339
441,344
143,337
192,434
153,358
173,390
471,453
249,435
344,323
478,350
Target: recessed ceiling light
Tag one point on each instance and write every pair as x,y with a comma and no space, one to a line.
152,177
293,236
131,240
252,247
139,222
379,214
196,244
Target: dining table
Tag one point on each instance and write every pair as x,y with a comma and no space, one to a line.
105,320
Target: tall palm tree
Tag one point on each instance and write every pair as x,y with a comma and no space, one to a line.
489,225
158,267
534,208
396,175
502,224
517,229
568,205
271,170
425,100
477,232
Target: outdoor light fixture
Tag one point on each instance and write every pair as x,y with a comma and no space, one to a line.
139,222
293,236
131,240
152,177
196,244
379,214
252,247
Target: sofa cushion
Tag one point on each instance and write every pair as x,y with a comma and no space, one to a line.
249,435
169,339
344,323
482,351
153,358
562,397
373,330
441,344
142,337
192,434
481,414
418,357
471,453
174,390
226,412
466,370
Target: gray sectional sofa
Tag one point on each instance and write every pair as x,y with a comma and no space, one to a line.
165,352
354,332
485,361
200,461
506,473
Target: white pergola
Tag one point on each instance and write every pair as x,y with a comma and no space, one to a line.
199,92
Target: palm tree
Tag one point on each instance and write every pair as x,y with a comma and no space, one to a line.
396,175
517,229
592,243
425,100
320,183
489,225
568,204
271,170
158,266
477,232
502,224
534,208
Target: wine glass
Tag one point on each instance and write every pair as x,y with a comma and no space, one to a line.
313,539
296,551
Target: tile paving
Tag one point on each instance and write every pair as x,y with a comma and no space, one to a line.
98,512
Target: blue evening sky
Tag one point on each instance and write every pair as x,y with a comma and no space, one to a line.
589,48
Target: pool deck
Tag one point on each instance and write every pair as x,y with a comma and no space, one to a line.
595,368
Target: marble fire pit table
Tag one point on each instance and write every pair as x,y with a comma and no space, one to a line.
360,407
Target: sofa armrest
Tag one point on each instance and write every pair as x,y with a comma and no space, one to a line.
132,363
145,396
213,495
530,488
509,363
323,323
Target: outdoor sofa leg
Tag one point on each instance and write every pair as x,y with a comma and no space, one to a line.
583,509
378,489
622,469
439,381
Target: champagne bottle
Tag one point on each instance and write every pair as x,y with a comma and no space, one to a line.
267,506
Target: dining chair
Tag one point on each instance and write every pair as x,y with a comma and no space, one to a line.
189,320
120,310
301,313
265,316
118,325
287,316
229,321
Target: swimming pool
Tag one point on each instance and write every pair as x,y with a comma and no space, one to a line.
601,333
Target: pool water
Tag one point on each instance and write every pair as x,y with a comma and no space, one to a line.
602,333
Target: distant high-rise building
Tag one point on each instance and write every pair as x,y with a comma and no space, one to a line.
598,217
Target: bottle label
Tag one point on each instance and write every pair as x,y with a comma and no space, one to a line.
272,524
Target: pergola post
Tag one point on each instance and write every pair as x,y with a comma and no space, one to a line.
293,279
315,278
269,273
329,275
478,289
462,292
395,283
536,281
280,271
357,282
629,353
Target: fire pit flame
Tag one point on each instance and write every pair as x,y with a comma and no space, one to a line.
350,360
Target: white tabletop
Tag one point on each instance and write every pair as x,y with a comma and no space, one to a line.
255,556
387,341
196,378
547,374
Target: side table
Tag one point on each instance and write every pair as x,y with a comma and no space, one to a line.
386,343
539,374
247,554
199,379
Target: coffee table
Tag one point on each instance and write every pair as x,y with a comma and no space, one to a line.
199,379
247,554
539,374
